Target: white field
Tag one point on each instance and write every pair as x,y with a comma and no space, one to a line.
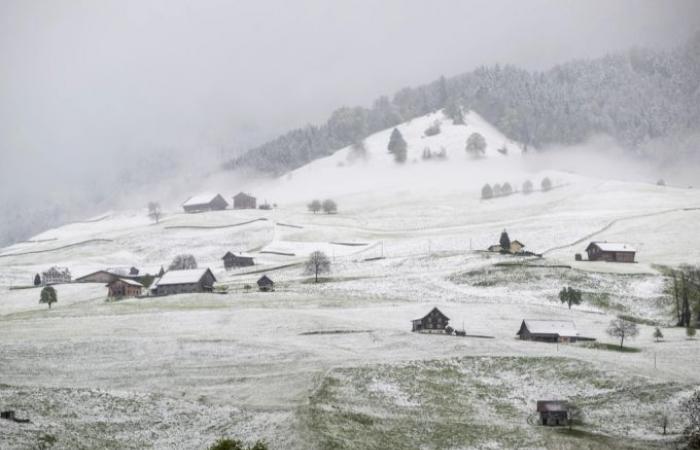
182,371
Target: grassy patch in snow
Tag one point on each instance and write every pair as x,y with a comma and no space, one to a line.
611,347
478,402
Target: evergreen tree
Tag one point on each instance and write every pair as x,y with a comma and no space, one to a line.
486,192
37,280
658,335
397,146
48,295
504,241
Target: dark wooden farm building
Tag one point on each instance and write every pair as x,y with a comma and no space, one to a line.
265,284
233,260
115,273
611,252
434,320
205,202
184,281
244,201
549,331
124,288
553,412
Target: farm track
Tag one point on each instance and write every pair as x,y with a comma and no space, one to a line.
214,227
76,244
614,222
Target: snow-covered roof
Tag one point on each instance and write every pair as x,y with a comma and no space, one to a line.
614,247
201,199
182,276
127,281
560,327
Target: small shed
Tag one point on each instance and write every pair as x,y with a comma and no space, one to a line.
184,281
553,412
233,260
205,202
549,331
435,320
244,201
265,284
611,252
124,288
55,275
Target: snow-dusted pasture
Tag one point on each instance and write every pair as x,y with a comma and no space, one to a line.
334,364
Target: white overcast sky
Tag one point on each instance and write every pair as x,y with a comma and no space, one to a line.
88,86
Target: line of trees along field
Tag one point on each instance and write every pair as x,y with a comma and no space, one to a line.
639,97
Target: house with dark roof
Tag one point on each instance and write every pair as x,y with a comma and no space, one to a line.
235,260
265,284
244,201
184,281
435,320
611,252
205,202
553,412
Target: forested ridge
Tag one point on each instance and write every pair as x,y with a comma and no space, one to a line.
647,100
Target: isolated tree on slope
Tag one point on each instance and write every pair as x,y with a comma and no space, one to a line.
37,280
397,146
476,145
504,241
622,329
570,296
314,206
527,187
48,295
183,262
329,206
154,211
546,184
486,191
317,263
658,335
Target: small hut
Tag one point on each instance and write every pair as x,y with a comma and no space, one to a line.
244,201
611,252
553,412
265,284
234,260
435,320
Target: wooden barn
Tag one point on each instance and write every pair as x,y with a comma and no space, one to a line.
265,284
611,252
244,201
55,275
553,412
234,260
549,331
115,273
433,321
124,288
184,281
205,202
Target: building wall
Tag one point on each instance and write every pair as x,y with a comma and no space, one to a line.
244,202
238,262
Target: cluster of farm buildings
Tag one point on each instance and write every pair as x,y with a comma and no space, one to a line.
216,202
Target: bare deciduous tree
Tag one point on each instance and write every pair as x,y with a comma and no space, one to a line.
622,329
314,206
317,263
154,211
329,206
183,262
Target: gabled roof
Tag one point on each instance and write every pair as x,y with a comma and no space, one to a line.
612,246
183,276
552,405
517,242
552,327
431,311
265,281
203,199
243,195
126,281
